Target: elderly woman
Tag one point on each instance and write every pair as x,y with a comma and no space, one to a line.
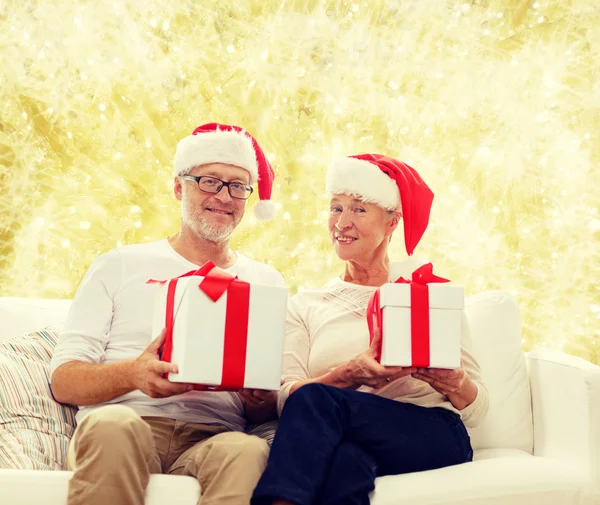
347,419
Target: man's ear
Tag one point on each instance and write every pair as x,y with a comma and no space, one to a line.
177,188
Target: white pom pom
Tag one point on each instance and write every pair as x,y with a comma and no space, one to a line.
264,210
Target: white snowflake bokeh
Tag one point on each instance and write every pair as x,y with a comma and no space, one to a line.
495,103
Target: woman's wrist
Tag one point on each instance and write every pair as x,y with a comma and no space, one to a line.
339,377
464,396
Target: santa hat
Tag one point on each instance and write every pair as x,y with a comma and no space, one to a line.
389,183
221,143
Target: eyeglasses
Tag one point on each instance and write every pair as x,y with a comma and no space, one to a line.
213,185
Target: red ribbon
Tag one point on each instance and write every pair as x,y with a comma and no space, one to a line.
215,283
419,314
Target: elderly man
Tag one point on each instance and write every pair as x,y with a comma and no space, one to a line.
133,422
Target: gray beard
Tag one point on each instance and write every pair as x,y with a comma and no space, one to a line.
213,232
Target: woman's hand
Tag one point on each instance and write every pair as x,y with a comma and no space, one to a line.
442,380
455,384
365,370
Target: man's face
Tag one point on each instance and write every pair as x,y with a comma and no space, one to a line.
211,216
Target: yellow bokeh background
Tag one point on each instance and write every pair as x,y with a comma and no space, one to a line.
495,103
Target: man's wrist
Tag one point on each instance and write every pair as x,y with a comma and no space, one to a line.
127,371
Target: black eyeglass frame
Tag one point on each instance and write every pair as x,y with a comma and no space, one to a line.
198,178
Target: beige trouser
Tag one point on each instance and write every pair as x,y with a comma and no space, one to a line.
114,451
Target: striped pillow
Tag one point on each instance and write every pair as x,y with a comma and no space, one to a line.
265,431
34,429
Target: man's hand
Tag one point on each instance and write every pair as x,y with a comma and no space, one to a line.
365,370
147,371
258,396
259,405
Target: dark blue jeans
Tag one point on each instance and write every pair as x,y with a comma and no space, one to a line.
332,443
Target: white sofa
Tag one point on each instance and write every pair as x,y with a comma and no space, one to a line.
540,444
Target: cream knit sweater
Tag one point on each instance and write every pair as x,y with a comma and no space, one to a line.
327,327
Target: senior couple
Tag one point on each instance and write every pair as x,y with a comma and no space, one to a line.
344,418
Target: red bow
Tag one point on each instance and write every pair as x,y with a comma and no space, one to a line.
419,314
423,275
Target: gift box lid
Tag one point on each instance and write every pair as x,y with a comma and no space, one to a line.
441,296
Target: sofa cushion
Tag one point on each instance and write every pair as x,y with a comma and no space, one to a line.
498,479
495,325
34,429
24,315
51,488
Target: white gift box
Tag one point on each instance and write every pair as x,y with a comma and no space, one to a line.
446,303
199,333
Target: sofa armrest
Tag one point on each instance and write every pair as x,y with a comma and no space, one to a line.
565,394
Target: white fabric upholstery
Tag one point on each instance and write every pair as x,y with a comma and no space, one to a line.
516,478
496,330
26,487
565,392
25,315
566,410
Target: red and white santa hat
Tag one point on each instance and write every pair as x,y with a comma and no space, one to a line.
389,183
221,143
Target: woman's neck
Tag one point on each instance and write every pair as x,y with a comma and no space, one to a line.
373,274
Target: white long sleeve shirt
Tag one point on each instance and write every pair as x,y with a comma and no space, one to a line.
110,320
327,327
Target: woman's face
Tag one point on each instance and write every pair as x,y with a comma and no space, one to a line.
358,229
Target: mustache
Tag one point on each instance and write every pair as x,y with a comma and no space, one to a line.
220,206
